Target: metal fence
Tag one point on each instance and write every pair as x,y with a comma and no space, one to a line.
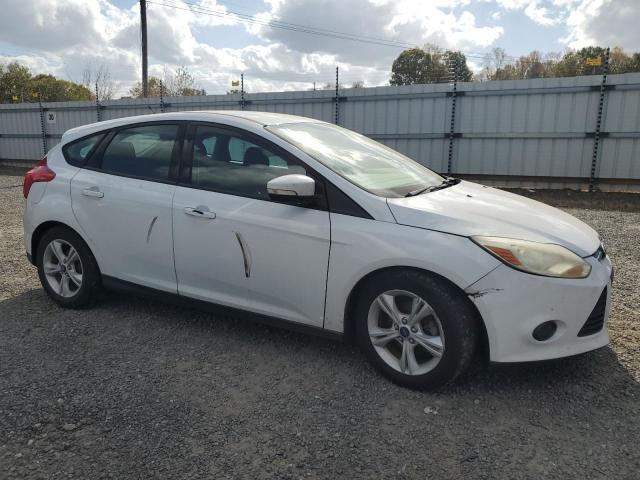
576,132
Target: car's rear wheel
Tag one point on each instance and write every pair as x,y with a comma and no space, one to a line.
417,329
67,270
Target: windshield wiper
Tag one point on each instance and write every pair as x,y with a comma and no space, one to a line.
447,182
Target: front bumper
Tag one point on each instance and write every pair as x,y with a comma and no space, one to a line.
513,304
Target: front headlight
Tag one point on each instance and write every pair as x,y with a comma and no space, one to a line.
539,258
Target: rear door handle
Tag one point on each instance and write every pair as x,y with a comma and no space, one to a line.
92,192
200,211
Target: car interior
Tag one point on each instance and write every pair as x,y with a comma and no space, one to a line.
230,164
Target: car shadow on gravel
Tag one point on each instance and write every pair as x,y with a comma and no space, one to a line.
159,323
600,366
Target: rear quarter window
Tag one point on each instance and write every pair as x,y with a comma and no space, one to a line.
77,153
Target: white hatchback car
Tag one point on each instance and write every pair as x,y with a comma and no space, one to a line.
305,223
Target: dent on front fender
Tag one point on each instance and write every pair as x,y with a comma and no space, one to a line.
362,246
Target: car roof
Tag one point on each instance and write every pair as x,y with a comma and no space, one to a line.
250,117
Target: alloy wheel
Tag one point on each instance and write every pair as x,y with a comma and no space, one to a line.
62,268
405,332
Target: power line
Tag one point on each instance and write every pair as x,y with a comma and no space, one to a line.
508,60
244,18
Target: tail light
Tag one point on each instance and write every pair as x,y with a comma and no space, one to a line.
39,173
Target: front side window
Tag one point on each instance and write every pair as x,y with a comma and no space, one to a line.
77,152
364,162
143,152
231,164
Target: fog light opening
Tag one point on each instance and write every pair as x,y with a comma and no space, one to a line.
545,330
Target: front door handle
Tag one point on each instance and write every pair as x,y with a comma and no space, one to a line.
200,211
92,192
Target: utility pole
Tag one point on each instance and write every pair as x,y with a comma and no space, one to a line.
143,31
337,100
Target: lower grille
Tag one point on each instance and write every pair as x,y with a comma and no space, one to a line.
595,322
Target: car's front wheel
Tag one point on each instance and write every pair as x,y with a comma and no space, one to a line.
418,330
67,270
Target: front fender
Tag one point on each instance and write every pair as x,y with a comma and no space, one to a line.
361,246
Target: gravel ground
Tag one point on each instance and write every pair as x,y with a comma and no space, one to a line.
136,389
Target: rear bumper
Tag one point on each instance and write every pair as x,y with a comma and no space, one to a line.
513,304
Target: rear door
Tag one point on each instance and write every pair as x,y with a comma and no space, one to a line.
236,247
123,202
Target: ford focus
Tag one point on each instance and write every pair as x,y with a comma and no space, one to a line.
309,225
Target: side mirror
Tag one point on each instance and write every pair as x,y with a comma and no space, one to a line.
292,188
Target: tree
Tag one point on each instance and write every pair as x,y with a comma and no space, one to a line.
99,78
457,63
183,84
153,86
416,66
358,84
14,82
429,65
18,85
52,89
180,84
571,63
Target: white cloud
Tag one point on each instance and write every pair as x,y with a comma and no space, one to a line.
413,22
604,23
540,15
535,10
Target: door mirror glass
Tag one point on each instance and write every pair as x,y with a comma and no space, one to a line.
291,188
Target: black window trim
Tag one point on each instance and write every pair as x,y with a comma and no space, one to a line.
94,162
320,203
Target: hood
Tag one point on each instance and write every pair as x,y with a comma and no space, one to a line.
471,209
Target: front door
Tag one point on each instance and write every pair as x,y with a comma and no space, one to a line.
233,245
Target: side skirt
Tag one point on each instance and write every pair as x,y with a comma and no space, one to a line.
112,283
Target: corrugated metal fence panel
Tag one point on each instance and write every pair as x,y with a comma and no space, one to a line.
314,104
620,157
537,128
406,113
526,128
17,120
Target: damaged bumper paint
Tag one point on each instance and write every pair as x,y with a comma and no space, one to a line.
514,303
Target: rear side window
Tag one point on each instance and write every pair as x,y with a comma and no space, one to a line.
143,152
76,153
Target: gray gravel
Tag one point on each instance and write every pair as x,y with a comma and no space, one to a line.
135,389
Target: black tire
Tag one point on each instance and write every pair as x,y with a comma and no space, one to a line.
458,319
86,294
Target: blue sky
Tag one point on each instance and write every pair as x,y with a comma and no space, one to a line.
65,37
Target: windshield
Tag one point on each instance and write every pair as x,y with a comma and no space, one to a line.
364,162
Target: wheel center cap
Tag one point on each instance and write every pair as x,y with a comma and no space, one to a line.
405,332
63,269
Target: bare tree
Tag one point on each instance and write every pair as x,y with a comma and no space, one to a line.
493,61
99,78
358,84
330,86
182,83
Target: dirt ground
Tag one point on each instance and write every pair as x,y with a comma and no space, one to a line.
137,389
